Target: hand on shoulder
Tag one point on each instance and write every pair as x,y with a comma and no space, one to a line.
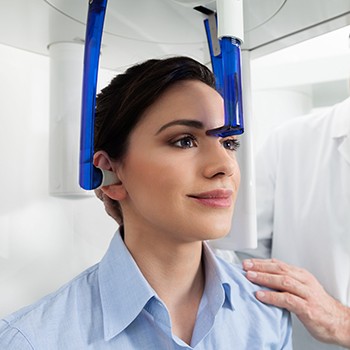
300,292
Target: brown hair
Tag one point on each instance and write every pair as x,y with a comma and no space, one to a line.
121,105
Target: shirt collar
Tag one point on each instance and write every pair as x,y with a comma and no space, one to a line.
124,295
124,290
217,280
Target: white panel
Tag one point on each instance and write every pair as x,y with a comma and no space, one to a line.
66,72
243,234
44,240
272,107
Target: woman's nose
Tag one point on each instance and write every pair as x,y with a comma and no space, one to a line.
219,162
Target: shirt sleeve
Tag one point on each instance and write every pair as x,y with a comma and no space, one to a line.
12,339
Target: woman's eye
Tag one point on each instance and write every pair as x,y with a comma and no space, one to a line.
231,144
185,142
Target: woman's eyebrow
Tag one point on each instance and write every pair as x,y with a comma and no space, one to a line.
187,122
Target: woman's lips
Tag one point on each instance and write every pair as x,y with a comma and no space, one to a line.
220,198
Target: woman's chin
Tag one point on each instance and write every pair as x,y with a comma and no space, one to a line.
217,231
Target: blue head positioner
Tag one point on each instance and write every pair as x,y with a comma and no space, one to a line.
226,62
90,177
224,42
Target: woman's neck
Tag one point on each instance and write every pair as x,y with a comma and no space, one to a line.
175,271
165,263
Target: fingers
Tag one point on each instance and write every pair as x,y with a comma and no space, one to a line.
298,291
285,300
280,276
276,267
325,318
282,283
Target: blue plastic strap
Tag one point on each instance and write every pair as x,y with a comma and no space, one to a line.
227,70
90,177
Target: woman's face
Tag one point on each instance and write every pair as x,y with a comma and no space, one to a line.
178,181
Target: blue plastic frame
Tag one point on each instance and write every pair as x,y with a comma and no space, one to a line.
226,67
227,70
90,177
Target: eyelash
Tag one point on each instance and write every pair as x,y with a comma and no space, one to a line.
235,144
177,143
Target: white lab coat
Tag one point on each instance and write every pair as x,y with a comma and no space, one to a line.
303,201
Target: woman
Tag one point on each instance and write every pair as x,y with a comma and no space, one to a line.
159,286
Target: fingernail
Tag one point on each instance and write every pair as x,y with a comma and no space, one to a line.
248,264
260,294
251,274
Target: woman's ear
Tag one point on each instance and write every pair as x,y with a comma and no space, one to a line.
116,190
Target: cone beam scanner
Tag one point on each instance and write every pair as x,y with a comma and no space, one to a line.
225,36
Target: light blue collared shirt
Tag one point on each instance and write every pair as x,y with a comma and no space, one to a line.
112,306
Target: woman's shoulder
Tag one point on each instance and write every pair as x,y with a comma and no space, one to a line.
233,272
62,308
243,291
12,339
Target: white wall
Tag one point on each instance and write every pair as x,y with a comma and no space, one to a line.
297,80
44,241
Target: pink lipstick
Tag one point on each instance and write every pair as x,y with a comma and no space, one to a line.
220,198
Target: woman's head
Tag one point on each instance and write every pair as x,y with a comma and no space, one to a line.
121,104
170,170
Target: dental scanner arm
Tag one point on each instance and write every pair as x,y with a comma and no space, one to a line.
226,67
91,177
226,62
